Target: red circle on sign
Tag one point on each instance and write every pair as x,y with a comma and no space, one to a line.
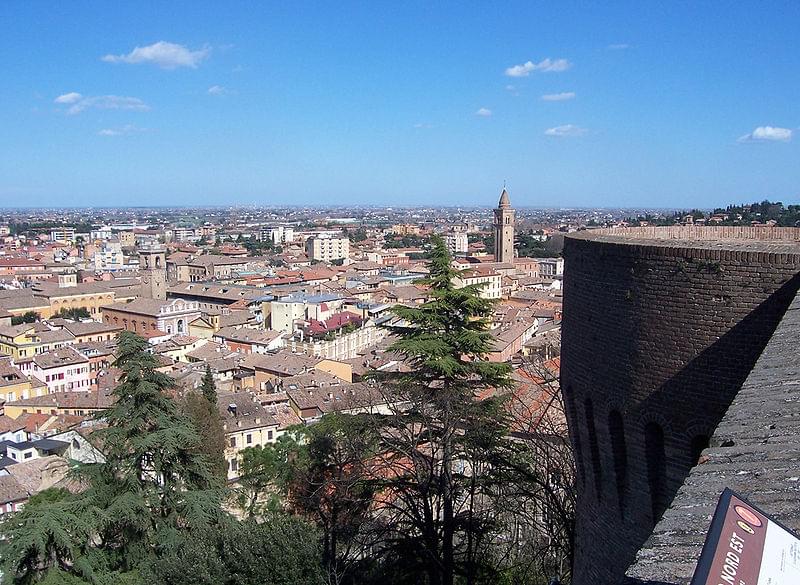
747,515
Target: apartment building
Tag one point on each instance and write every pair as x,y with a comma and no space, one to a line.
327,249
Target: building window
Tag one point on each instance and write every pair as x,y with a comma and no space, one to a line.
234,464
249,439
656,468
594,448
616,430
233,442
269,435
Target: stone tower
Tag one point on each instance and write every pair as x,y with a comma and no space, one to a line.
504,230
153,268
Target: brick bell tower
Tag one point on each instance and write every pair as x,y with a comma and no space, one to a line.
504,230
153,268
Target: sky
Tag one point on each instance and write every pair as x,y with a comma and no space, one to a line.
633,104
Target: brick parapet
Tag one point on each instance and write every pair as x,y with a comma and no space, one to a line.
664,331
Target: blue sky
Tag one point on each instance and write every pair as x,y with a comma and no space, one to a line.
672,104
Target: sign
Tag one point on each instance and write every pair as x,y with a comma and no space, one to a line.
744,546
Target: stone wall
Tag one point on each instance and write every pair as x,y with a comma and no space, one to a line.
660,330
754,451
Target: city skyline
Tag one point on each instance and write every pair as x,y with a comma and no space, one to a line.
394,106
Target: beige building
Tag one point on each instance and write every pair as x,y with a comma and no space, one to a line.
246,424
327,249
145,315
490,281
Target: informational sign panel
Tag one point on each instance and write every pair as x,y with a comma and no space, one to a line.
744,546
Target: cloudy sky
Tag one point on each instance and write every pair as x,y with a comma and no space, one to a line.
645,103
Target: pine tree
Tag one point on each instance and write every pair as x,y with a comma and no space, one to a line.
154,484
208,387
440,441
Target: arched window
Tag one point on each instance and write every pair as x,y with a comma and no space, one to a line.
570,405
594,448
656,468
699,442
616,430
180,325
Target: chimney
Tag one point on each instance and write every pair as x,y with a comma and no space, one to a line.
233,409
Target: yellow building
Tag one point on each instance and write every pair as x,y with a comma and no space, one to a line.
30,339
14,385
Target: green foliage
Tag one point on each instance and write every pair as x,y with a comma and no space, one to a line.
263,471
441,518
409,241
281,550
259,247
206,420
357,235
208,387
328,482
26,317
74,313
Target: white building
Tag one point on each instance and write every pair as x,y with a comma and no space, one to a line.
491,282
64,235
327,249
109,256
551,267
457,242
278,235
63,370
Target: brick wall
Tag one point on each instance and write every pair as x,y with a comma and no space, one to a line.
659,333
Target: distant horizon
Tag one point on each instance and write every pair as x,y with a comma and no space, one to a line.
356,206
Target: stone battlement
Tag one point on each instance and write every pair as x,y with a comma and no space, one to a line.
661,328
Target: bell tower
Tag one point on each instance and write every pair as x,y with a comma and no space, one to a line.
153,268
504,230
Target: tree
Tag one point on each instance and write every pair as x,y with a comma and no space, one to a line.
208,387
26,317
264,472
329,483
74,313
43,537
153,487
440,441
206,419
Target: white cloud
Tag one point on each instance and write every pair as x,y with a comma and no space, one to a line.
78,103
423,125
165,55
484,112
618,47
546,65
768,133
121,131
567,130
559,97
68,98
217,90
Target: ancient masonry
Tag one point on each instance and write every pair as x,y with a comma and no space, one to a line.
662,326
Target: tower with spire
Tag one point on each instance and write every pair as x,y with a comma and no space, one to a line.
504,230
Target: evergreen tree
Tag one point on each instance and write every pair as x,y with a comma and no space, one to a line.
152,490
206,419
208,387
153,482
441,443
